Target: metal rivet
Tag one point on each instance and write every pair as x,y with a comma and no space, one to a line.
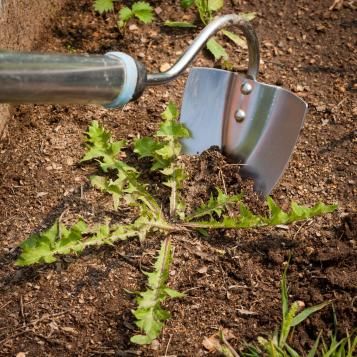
240,115
246,88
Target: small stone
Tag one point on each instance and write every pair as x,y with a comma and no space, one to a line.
133,27
309,250
21,354
141,55
164,67
158,10
155,345
299,88
320,28
301,304
69,330
203,270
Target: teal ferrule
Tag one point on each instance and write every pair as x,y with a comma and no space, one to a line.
130,81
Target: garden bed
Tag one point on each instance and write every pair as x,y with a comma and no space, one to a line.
79,306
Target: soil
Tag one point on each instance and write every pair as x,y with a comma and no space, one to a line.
79,306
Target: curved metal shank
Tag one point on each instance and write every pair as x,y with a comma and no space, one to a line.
211,29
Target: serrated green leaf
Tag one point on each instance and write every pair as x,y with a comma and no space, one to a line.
216,49
146,147
215,205
103,6
174,293
149,314
238,40
248,16
214,5
169,151
301,212
101,146
171,112
277,215
176,173
203,10
115,188
186,3
99,182
143,11
248,219
58,240
181,24
124,15
173,129
158,278
297,213
43,247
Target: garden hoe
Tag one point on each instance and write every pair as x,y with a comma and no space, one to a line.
255,124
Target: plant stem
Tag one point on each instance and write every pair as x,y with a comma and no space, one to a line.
173,200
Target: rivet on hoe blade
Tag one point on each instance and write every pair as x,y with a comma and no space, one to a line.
255,124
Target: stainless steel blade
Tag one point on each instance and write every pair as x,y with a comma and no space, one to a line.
256,124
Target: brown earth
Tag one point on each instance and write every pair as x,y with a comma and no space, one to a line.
78,306
18,30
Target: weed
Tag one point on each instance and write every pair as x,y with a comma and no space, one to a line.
345,347
123,182
278,345
141,10
206,10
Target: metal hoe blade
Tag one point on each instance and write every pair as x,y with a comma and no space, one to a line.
255,124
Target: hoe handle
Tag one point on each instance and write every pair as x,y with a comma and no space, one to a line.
212,28
111,80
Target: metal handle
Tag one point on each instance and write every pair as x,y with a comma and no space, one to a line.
211,29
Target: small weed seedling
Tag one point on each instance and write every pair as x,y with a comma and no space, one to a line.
123,182
278,344
345,347
141,10
206,10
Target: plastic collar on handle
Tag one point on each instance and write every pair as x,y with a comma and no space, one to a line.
130,81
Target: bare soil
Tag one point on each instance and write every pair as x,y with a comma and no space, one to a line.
78,306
